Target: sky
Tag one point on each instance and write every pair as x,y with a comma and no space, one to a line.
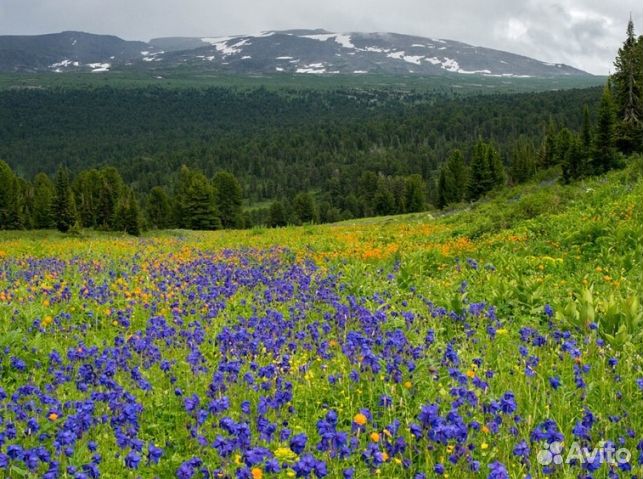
582,33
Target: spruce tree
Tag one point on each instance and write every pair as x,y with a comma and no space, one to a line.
159,209
64,208
497,169
573,164
452,182
229,199
196,201
481,179
522,160
414,192
44,192
277,215
9,198
130,216
304,208
111,190
627,83
604,151
586,132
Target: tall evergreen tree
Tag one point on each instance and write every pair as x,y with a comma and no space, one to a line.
64,207
481,179
414,192
586,132
574,159
547,154
497,169
112,188
159,209
627,83
128,216
9,198
196,200
44,193
229,199
522,160
304,208
88,187
452,182
604,151
277,215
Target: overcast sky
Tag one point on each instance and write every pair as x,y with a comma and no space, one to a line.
583,33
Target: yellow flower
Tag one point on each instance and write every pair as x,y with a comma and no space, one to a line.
360,419
285,453
408,384
484,446
501,331
471,374
485,429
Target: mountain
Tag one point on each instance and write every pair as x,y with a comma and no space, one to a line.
66,50
289,51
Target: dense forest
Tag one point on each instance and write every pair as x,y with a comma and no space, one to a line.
127,158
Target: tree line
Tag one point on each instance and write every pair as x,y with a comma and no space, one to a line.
100,199
295,157
592,150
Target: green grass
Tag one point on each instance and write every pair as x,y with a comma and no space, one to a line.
577,248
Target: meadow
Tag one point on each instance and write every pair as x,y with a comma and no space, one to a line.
455,345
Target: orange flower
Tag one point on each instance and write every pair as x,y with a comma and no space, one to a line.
375,437
52,416
256,473
360,419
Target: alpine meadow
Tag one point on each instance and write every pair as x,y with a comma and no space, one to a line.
310,254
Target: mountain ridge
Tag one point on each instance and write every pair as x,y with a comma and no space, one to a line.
298,51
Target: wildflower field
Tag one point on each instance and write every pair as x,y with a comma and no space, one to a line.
404,347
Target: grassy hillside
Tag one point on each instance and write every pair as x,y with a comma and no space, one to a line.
388,347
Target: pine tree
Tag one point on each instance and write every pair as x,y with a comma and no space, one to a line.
481,179
87,187
497,169
229,199
546,156
64,208
196,201
573,164
445,186
586,132
44,192
128,214
9,198
627,83
304,208
414,193
604,151
277,215
523,160
111,190
452,181
159,209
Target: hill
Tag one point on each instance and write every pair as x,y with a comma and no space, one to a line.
291,51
